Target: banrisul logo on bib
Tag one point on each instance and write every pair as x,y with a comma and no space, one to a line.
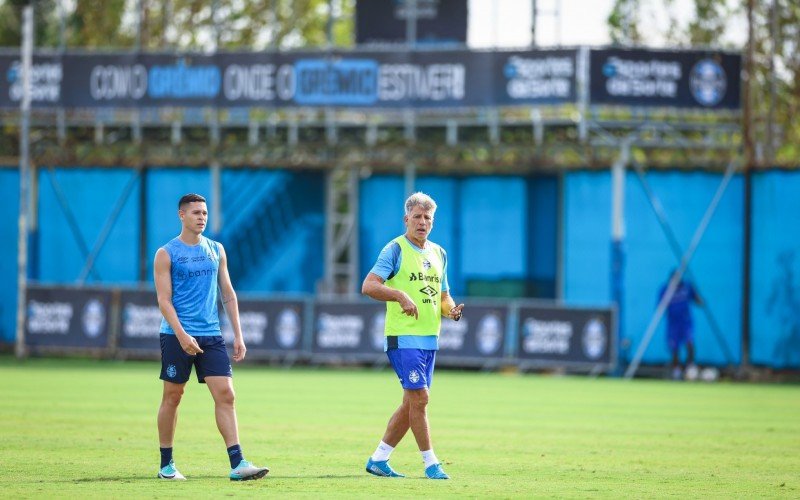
708,82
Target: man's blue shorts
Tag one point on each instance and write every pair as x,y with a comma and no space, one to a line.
414,367
176,365
678,336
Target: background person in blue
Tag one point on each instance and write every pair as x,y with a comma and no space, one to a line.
680,328
189,270
411,277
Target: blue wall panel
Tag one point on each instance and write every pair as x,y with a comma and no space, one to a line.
380,214
297,264
9,213
90,195
244,189
716,266
294,259
542,229
775,276
164,188
587,242
494,234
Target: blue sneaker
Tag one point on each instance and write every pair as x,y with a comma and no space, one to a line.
246,471
170,472
435,472
382,469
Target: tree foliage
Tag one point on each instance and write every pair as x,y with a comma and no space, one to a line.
200,25
46,22
623,23
98,25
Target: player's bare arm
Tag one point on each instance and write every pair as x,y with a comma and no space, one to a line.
163,281
449,307
374,288
231,305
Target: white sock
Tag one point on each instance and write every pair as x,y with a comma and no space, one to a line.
429,457
382,452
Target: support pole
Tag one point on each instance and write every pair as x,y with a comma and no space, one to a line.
411,23
216,197
24,160
618,235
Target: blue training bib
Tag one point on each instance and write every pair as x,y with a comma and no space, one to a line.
194,271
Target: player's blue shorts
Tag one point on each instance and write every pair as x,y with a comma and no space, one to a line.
678,336
176,365
414,367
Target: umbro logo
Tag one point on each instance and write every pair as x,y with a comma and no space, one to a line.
428,290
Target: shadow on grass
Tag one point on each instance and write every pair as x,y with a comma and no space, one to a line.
131,479
153,479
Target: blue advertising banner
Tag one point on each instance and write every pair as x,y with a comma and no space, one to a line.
566,337
478,337
355,330
352,330
67,317
269,327
140,321
377,79
689,79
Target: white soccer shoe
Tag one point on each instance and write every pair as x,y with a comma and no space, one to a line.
170,473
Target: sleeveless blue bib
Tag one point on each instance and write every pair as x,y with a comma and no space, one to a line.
194,286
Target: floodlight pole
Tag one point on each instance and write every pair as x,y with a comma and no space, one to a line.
24,160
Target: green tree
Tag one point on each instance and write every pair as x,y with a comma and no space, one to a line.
183,24
98,25
46,23
777,74
242,24
710,22
623,23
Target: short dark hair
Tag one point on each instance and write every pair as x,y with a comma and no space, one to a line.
189,198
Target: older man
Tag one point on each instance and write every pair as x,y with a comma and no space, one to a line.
410,275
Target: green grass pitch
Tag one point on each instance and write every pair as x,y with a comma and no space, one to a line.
86,429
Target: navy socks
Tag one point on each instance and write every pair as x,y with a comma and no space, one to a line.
235,454
166,456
